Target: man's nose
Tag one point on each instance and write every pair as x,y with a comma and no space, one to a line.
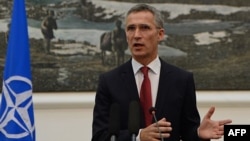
137,33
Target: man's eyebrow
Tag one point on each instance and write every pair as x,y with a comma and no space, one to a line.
131,25
139,25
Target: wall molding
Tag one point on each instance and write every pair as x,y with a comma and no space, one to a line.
86,99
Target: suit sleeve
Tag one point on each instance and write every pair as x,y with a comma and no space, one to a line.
101,113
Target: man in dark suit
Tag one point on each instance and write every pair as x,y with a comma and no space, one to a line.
172,89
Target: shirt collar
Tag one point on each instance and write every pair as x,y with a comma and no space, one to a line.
154,66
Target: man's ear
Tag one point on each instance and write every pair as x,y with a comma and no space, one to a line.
161,34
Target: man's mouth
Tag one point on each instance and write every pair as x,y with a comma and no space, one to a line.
138,45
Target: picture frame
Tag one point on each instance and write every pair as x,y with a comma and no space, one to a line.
209,39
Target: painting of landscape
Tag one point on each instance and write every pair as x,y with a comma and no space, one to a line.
210,38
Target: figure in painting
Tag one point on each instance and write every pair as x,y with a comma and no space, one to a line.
47,26
7,34
119,43
115,42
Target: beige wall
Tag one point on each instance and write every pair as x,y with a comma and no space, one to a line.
68,116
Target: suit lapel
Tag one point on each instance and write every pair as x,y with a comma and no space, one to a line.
163,88
128,78
130,85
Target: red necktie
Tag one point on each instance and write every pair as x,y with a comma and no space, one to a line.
145,96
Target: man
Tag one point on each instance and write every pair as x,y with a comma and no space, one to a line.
47,27
172,89
119,43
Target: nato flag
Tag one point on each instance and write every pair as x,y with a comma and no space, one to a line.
16,105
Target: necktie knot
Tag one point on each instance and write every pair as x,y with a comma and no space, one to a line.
144,70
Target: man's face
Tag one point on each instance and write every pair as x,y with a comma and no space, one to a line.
143,35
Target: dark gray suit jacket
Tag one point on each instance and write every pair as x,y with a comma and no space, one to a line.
176,101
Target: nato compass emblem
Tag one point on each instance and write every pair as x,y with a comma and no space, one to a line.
16,109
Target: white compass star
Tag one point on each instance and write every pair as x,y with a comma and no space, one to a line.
17,106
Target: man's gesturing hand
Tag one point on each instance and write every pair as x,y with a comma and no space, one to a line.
210,129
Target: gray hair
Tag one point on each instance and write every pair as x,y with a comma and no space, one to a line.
144,7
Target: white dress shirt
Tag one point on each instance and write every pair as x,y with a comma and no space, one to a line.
154,76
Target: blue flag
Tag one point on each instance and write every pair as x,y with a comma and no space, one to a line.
16,106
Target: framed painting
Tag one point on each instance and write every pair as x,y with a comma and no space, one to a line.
207,37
